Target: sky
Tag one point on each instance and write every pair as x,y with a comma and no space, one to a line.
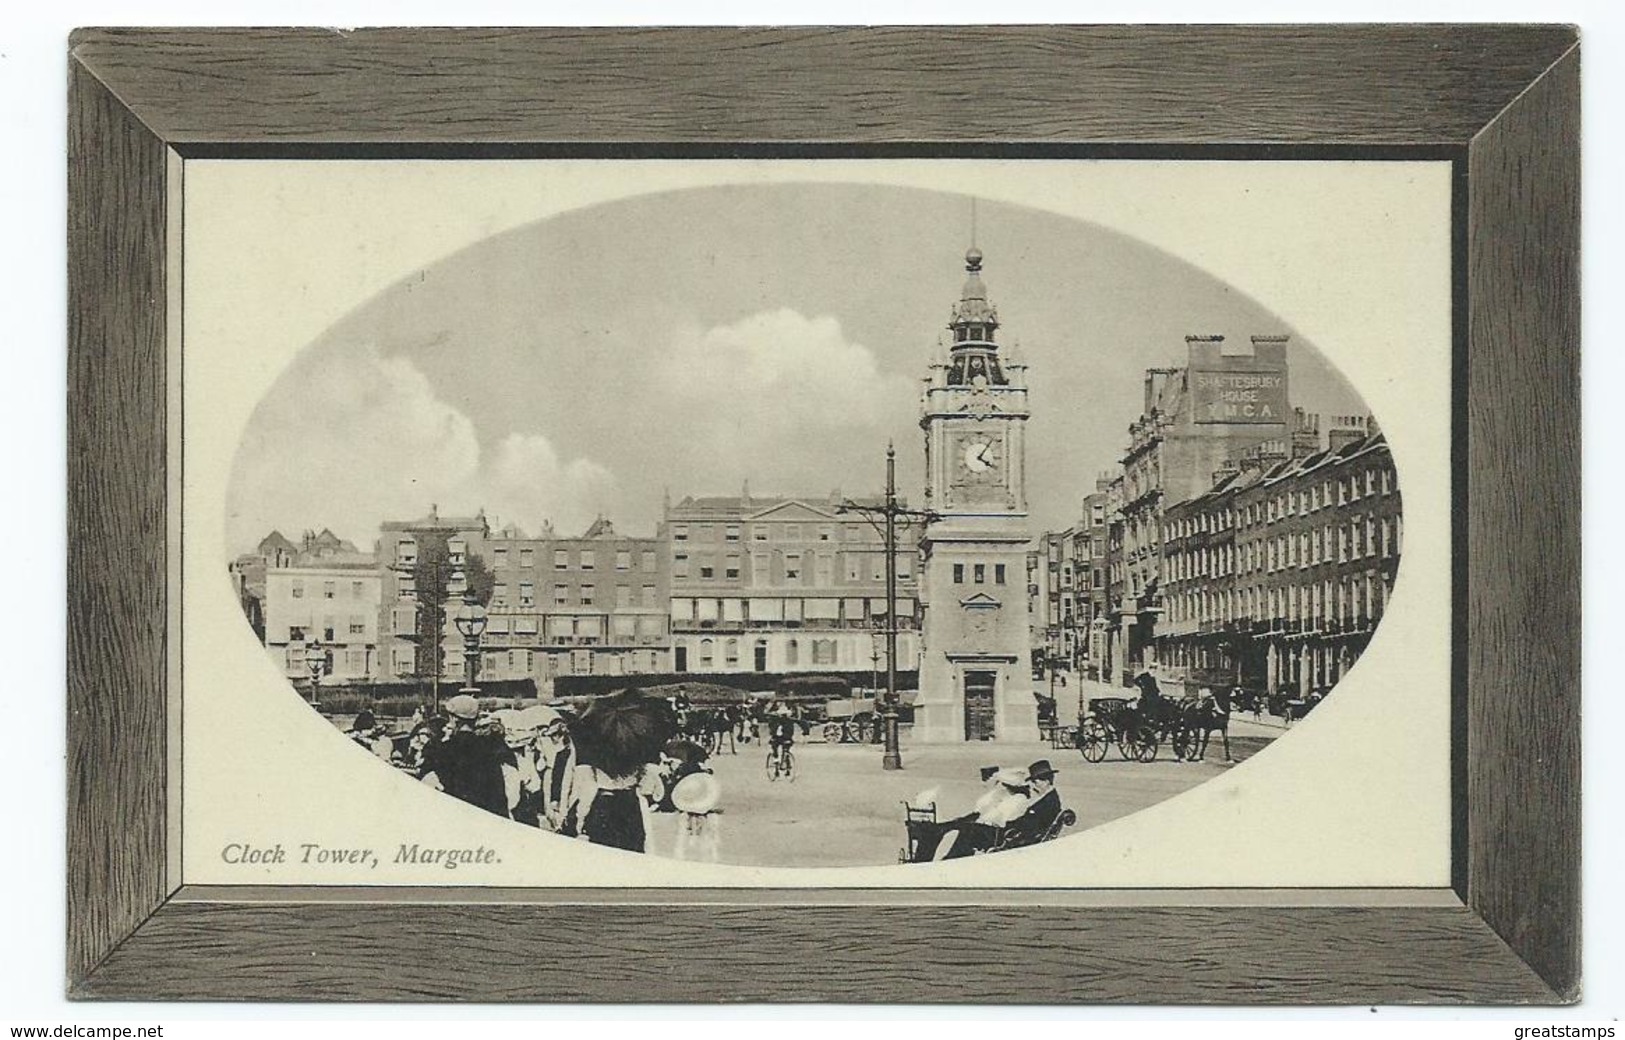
688,342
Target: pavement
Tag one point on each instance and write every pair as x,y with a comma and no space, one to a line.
843,809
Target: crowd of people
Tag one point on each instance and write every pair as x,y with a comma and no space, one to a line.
525,766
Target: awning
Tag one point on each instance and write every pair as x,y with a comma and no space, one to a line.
767,609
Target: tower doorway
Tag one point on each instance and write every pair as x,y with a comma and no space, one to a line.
979,705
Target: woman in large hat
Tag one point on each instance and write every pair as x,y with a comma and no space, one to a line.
616,738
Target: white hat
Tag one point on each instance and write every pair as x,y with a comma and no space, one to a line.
1011,777
462,706
696,793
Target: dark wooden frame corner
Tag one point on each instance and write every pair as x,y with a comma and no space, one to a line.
1500,102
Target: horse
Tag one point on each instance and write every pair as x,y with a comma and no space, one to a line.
707,727
1204,714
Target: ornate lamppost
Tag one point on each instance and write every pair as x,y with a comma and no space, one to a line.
470,621
316,661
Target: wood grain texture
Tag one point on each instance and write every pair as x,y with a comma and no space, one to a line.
1229,84
116,523
1213,87
822,954
1523,624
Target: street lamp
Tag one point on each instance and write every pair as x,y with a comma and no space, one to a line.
316,661
470,621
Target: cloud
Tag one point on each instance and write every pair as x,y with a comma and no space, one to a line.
351,438
780,398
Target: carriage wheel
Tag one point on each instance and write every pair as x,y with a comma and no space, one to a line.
1143,742
832,732
1185,743
1092,740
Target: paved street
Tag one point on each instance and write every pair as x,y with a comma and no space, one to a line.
844,810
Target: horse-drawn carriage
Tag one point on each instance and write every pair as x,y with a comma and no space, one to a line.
1137,729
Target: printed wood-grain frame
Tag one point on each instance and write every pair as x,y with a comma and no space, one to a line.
1500,102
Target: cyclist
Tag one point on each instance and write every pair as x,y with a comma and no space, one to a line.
781,730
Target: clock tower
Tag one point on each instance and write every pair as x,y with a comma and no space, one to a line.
976,664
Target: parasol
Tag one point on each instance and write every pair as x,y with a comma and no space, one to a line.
622,732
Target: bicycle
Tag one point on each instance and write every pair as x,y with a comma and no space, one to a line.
781,761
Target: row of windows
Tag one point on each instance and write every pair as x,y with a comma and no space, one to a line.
978,573
1361,598
763,610
773,532
329,631
1361,538
791,566
329,589
1302,501
503,594
348,663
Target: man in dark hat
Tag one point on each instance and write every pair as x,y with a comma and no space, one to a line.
1035,824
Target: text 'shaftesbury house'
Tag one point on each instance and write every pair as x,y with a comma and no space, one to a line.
975,671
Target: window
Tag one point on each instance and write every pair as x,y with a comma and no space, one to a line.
679,533
679,565
356,589
823,651
406,552
959,574
623,560
854,563
296,633
297,589
499,557
648,598
648,560
586,595
730,653
732,533
527,594
561,559
792,653
826,534
499,593
759,532
708,568
623,595
707,647
561,595
457,548
527,557
905,567
358,626
980,571
792,567
792,532
731,572
588,559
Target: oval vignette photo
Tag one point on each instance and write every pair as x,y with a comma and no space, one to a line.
813,524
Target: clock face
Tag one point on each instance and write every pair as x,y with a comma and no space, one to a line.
980,455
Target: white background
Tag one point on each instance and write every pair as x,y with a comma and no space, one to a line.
32,93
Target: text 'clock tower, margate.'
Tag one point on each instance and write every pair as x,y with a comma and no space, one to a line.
975,672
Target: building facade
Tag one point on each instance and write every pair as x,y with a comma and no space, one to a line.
419,564
589,605
324,597
1226,398
784,585
976,669
1278,575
